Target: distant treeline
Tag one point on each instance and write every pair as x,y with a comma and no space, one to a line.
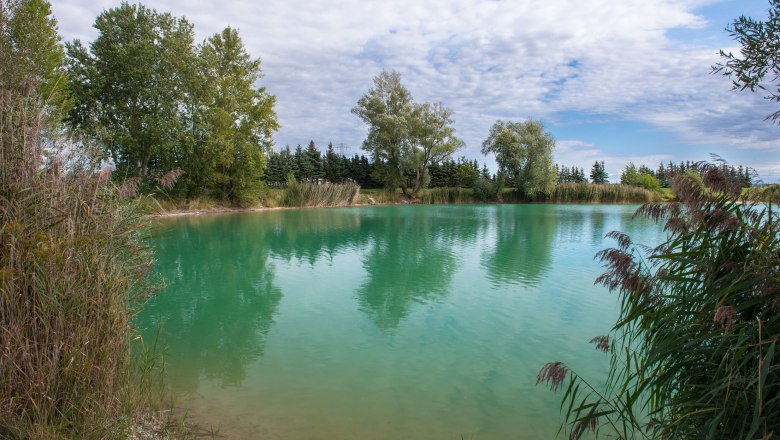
310,165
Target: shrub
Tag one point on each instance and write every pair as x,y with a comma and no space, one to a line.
486,189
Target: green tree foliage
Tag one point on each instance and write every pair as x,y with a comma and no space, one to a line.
432,140
314,166
694,352
129,85
570,175
641,177
334,166
386,109
449,173
598,173
156,103
404,138
235,120
30,38
756,67
524,153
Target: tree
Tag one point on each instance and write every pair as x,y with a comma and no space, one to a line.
524,153
386,109
313,160
757,66
333,166
33,55
129,85
432,140
236,118
598,173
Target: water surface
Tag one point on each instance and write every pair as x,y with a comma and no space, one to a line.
400,322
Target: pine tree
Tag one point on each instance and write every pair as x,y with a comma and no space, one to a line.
598,173
313,160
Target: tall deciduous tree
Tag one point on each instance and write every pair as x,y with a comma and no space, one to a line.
237,119
524,153
129,85
404,138
432,140
386,109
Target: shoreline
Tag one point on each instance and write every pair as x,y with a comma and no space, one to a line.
233,210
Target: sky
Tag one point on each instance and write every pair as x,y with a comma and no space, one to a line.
613,80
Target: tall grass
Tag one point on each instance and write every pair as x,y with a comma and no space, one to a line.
694,353
595,193
310,194
72,265
763,193
438,196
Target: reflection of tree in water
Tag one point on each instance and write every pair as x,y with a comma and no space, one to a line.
220,300
412,258
598,225
524,239
308,235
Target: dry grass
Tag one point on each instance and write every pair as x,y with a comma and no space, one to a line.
438,196
309,194
594,193
73,264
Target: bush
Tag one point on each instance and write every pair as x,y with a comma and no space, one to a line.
693,354
486,189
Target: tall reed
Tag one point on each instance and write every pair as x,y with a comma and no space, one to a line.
600,193
311,194
694,353
72,265
438,196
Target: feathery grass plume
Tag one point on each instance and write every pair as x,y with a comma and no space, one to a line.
312,194
694,351
73,265
600,193
445,195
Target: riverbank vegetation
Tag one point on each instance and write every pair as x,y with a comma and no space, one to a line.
694,351
73,260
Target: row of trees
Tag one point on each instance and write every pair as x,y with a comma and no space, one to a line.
310,165
570,175
645,177
155,102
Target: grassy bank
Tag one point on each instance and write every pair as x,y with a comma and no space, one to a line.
306,194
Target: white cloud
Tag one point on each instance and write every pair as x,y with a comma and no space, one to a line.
485,59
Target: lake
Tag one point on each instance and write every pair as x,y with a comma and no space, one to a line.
388,322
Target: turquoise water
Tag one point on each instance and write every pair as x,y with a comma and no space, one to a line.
399,322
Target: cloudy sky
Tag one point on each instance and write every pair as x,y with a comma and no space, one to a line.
613,80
